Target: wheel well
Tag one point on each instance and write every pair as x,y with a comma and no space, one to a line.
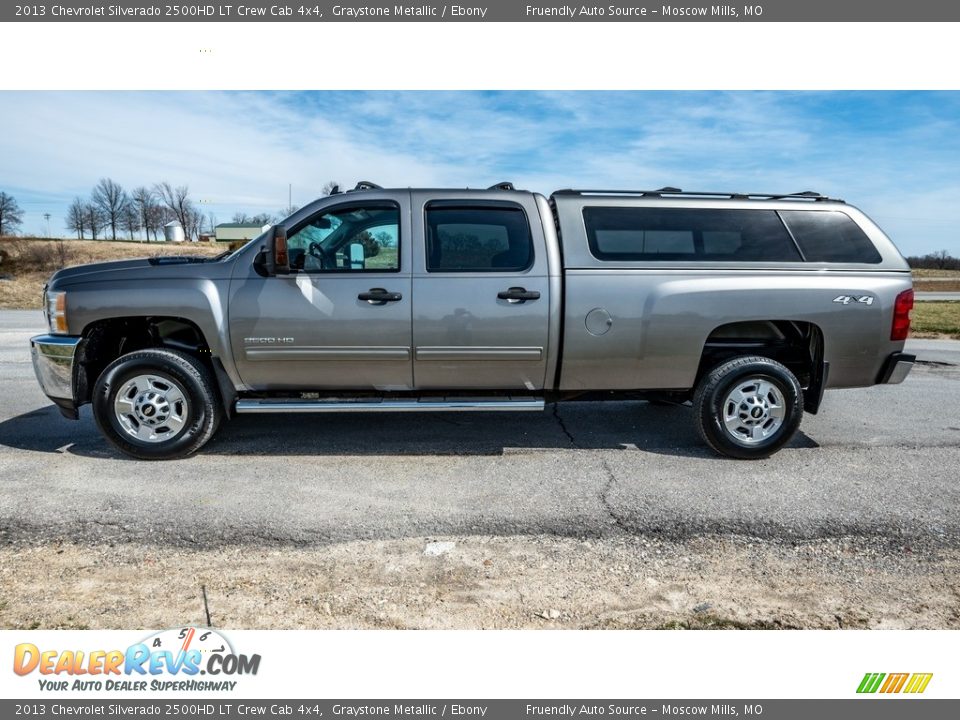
106,340
797,345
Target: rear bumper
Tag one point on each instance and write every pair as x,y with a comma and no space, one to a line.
53,361
896,369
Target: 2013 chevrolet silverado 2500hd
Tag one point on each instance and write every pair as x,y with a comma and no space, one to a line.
746,305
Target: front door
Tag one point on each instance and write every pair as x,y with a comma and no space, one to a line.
341,318
480,297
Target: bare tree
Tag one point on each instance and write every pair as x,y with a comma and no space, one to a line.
241,218
11,216
143,199
77,218
288,211
130,219
212,223
194,223
262,219
111,199
177,200
95,219
156,218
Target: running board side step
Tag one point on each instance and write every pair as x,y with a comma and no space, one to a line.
413,405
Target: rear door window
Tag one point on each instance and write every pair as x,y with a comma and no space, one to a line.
830,236
688,234
478,238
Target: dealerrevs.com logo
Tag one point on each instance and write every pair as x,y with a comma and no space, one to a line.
910,683
169,660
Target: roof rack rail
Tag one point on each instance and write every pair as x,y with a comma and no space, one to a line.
677,192
502,186
366,185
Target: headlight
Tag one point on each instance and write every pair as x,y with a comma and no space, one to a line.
55,308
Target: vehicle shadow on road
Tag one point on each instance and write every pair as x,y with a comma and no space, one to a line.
571,426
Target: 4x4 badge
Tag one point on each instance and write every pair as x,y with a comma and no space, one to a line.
847,299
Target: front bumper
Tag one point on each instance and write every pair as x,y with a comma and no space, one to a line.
53,361
896,369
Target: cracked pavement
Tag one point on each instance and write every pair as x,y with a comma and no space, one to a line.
879,463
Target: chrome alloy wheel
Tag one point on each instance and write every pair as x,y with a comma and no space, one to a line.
753,411
151,408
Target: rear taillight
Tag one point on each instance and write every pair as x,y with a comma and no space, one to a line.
901,315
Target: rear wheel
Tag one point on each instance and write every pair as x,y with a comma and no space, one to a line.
156,404
748,407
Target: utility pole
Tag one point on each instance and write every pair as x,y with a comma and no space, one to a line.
46,216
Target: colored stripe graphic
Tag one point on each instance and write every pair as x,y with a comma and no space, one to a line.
870,682
894,683
918,683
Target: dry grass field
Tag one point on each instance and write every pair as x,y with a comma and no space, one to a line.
936,280
922,274
27,263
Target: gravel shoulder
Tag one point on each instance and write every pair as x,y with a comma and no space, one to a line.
486,582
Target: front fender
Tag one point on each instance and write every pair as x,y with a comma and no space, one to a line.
200,301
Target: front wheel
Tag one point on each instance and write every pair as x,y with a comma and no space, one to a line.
748,407
156,404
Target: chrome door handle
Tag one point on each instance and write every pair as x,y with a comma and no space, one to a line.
379,296
518,295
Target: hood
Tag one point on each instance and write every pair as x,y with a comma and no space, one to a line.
75,272
164,266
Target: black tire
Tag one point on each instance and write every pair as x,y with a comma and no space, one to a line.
191,422
755,414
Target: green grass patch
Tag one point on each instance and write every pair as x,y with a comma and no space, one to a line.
935,319
386,259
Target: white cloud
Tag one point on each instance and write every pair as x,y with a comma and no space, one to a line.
896,155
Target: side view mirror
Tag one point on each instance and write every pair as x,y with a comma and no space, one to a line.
356,256
276,257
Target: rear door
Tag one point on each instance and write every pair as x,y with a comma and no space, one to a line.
341,318
480,294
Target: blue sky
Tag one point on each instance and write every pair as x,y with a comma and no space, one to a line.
896,155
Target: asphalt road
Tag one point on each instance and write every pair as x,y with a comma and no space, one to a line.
881,463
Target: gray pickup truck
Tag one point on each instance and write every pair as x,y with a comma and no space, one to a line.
745,306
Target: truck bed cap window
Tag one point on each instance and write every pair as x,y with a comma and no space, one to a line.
688,234
829,236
